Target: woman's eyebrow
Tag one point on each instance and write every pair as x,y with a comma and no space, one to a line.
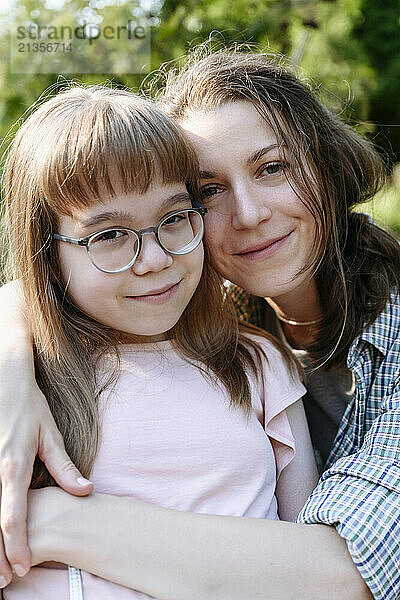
254,157
259,153
209,174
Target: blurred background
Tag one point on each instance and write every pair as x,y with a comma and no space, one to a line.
348,49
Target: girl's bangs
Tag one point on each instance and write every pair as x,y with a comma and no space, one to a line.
113,147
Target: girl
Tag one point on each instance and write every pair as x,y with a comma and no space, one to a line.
136,348
280,178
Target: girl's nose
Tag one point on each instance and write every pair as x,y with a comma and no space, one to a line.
250,206
152,257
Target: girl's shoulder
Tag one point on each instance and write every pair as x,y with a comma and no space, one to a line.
273,350
279,368
276,388
265,342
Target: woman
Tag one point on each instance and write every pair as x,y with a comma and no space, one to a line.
280,176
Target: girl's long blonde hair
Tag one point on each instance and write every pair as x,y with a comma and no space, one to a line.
69,152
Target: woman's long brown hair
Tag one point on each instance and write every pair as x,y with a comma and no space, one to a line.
70,152
332,169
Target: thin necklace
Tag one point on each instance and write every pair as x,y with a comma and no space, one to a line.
279,316
293,322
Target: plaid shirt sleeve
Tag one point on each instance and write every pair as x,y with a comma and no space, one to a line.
359,494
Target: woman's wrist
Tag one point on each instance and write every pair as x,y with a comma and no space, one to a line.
55,520
47,510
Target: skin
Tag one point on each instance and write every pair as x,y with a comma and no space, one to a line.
222,558
252,203
119,299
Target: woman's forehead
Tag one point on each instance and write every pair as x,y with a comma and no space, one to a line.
237,114
233,131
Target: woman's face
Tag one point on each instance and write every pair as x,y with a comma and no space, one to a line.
258,231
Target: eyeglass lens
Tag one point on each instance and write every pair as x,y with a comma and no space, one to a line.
178,233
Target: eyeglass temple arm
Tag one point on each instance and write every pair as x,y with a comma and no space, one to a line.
63,238
202,209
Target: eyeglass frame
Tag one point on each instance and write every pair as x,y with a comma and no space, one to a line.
85,241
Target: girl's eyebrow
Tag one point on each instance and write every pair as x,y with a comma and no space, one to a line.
175,199
110,215
119,215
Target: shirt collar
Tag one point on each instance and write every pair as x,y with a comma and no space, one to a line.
383,331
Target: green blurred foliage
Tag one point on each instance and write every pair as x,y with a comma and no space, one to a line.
350,49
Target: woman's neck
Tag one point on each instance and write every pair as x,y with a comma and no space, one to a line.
299,312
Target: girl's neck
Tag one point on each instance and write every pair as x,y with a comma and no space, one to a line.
126,338
299,312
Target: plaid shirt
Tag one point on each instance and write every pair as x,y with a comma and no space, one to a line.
359,493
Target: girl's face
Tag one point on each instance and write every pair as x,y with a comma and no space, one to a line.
149,298
258,231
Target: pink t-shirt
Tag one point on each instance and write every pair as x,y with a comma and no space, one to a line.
169,437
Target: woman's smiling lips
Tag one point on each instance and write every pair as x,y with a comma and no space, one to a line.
263,248
157,296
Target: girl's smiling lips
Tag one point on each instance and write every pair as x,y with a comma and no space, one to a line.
157,296
264,248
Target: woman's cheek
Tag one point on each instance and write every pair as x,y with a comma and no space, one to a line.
215,227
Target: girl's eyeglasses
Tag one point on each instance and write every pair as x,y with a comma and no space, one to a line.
116,249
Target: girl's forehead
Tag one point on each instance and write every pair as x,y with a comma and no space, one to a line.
131,207
78,197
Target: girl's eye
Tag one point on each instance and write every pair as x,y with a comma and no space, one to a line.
110,236
208,191
175,219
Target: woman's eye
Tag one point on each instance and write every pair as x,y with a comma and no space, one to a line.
272,168
208,191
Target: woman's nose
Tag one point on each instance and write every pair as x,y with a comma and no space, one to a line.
250,206
152,257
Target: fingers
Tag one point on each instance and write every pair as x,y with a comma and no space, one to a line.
24,431
16,476
52,453
5,569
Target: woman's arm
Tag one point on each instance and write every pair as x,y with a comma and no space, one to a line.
300,477
175,555
27,428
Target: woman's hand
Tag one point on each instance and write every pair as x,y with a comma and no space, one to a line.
27,428
46,524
